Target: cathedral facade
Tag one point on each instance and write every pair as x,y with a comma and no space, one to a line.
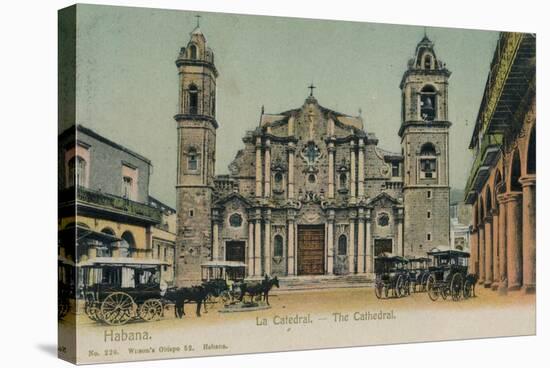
311,192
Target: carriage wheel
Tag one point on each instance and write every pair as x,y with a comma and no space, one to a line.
467,290
407,287
92,311
424,282
63,308
444,292
457,285
151,310
433,290
379,289
117,308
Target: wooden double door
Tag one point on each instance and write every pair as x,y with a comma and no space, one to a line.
311,250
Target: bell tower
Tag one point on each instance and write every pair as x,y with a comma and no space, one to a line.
196,134
424,136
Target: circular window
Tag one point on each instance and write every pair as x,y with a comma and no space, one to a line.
278,178
383,219
311,178
235,220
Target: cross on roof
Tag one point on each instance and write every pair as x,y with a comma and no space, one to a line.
311,87
198,20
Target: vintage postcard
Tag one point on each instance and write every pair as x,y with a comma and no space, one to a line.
233,184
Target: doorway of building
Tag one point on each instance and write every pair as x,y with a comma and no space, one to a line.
382,246
234,251
311,250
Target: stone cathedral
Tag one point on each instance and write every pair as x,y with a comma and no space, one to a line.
311,192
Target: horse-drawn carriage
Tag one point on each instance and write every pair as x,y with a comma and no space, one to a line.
65,286
227,279
229,273
391,276
117,290
449,275
419,273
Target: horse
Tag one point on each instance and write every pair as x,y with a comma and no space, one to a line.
472,279
180,296
261,288
197,294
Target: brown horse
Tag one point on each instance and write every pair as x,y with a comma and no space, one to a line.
260,288
194,294
180,296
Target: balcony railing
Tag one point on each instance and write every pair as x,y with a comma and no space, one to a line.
118,204
225,184
487,153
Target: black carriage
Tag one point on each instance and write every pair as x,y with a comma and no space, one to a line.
419,273
392,276
65,285
449,275
225,277
118,290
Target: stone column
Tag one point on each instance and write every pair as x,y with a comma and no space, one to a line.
472,267
267,191
502,245
481,249
258,244
495,229
529,223
361,170
216,241
353,184
290,242
361,241
330,243
267,242
488,251
331,170
513,238
250,263
369,267
351,244
399,223
258,167
291,151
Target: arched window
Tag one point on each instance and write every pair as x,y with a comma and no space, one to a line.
342,245
76,172
193,99
427,61
428,161
108,231
193,52
127,245
343,180
428,103
278,246
127,187
192,160
71,172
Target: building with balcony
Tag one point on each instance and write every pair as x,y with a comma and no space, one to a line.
105,212
502,182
